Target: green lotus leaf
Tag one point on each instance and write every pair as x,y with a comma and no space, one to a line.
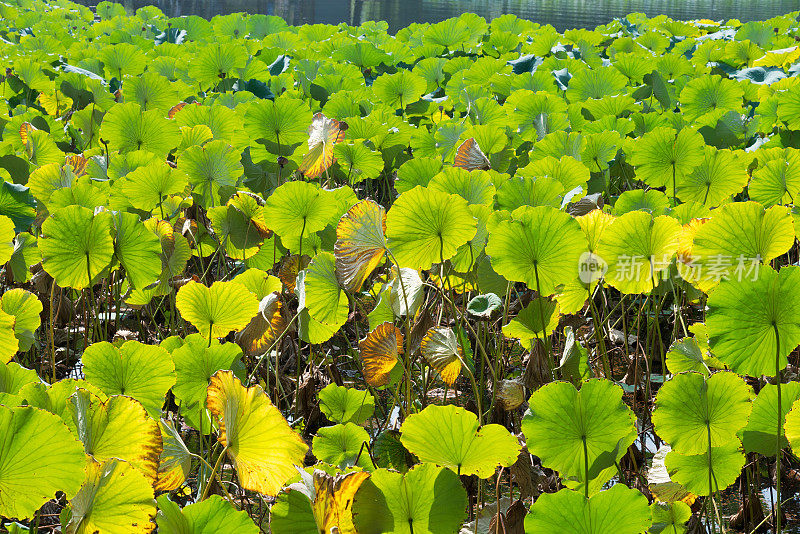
250,424
691,471
451,437
427,498
54,398
652,201
388,451
76,246
663,157
538,319
691,354
416,171
721,174
218,61
595,83
620,510
175,461
114,498
426,226
137,249
38,457
325,300
777,182
299,209
148,185
41,149
18,204
100,424
25,309
539,246
535,115
282,121
573,431
126,127
343,446
473,186
258,282
213,171
709,93
736,241
236,230
638,248
121,59
759,434
745,337
13,376
212,515
693,413
220,120
9,344
523,191
346,405
357,162
484,305
26,254
6,238
144,372
567,170
670,518
400,89
151,91
195,363
218,309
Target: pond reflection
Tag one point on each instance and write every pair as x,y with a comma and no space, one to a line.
562,14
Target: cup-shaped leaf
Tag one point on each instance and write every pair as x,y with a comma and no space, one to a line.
249,424
218,309
451,437
692,470
572,429
536,320
427,498
281,121
343,446
76,245
213,170
746,319
144,372
662,157
38,457
138,250
325,300
298,209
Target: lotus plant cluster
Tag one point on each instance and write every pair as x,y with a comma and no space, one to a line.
471,277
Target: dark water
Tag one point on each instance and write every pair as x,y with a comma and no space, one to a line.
562,14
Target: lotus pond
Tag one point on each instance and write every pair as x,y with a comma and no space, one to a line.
470,277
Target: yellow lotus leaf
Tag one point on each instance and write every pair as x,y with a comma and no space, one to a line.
333,501
263,447
323,134
24,130
360,243
114,499
263,329
441,348
379,352
175,461
55,105
78,164
116,428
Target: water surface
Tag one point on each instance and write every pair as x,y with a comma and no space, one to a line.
562,14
